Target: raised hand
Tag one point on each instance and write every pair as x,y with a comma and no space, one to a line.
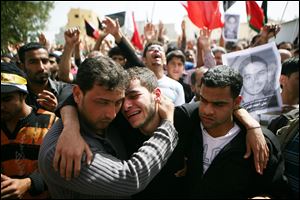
47,100
150,32
183,25
72,36
204,39
43,40
270,30
111,26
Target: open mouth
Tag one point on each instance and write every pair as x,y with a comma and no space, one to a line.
132,114
155,56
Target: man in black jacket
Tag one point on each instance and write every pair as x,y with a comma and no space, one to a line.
215,144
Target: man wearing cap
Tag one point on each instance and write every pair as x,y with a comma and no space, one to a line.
22,131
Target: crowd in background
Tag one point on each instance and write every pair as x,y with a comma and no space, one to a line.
44,74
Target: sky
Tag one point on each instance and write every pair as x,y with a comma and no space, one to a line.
167,11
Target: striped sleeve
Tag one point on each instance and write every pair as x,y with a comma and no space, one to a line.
107,175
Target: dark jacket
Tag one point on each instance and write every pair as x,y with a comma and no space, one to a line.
132,59
188,94
60,89
165,185
229,175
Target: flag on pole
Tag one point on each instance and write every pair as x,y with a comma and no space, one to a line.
264,6
91,31
227,4
128,27
120,15
255,15
205,14
136,40
100,26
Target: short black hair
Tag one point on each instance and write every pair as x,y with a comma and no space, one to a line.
29,47
177,54
223,76
101,70
290,66
145,75
171,47
115,51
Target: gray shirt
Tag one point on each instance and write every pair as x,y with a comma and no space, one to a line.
107,176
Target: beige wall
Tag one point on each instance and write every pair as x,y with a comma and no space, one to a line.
76,18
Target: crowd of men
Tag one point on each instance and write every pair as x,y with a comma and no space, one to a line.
165,122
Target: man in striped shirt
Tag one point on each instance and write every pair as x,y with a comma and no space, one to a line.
139,109
99,93
22,131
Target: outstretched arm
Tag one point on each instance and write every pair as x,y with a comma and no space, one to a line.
204,54
72,37
255,140
267,32
113,28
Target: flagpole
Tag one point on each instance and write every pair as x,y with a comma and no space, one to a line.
153,8
295,30
283,13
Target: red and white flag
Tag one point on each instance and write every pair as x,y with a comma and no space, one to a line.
136,40
205,14
255,15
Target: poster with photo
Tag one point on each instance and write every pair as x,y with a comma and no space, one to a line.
260,68
231,27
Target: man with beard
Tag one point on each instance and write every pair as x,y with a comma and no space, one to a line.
43,92
140,110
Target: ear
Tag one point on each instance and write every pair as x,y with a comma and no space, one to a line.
237,102
282,79
77,94
157,93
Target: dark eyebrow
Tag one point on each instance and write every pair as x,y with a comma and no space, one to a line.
109,100
215,102
130,92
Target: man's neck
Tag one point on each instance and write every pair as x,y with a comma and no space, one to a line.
37,88
158,71
12,123
149,128
220,130
290,98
